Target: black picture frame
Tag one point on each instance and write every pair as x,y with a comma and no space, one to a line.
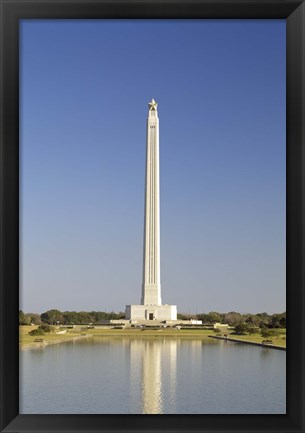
293,11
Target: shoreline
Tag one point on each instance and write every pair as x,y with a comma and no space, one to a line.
137,334
38,345
253,343
114,334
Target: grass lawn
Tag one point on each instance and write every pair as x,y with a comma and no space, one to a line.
26,340
279,340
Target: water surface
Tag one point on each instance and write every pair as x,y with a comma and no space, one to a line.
105,375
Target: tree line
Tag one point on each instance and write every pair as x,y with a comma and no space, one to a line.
56,317
233,318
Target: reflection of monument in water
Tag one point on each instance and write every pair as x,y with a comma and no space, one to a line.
151,307
151,378
156,360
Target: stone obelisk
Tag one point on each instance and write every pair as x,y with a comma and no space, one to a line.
151,307
151,287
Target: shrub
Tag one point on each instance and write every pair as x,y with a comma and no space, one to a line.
46,328
269,333
36,332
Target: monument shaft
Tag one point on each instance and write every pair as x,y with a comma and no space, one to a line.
151,287
151,307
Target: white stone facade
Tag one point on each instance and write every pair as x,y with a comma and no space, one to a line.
151,307
151,312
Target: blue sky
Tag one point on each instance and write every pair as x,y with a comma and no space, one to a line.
220,86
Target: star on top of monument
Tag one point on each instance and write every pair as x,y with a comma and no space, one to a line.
152,105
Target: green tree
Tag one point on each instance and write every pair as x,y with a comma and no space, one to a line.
213,317
52,317
97,316
251,319
84,318
241,329
278,320
70,318
233,318
23,318
182,316
34,318
264,319
283,320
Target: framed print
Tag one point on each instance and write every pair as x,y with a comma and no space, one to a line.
221,86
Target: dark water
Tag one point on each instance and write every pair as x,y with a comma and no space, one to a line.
136,376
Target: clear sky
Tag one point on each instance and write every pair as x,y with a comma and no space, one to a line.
220,86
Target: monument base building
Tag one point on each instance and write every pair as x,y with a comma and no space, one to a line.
151,307
151,312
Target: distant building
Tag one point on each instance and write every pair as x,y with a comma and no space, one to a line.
221,326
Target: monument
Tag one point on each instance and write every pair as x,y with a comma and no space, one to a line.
151,307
